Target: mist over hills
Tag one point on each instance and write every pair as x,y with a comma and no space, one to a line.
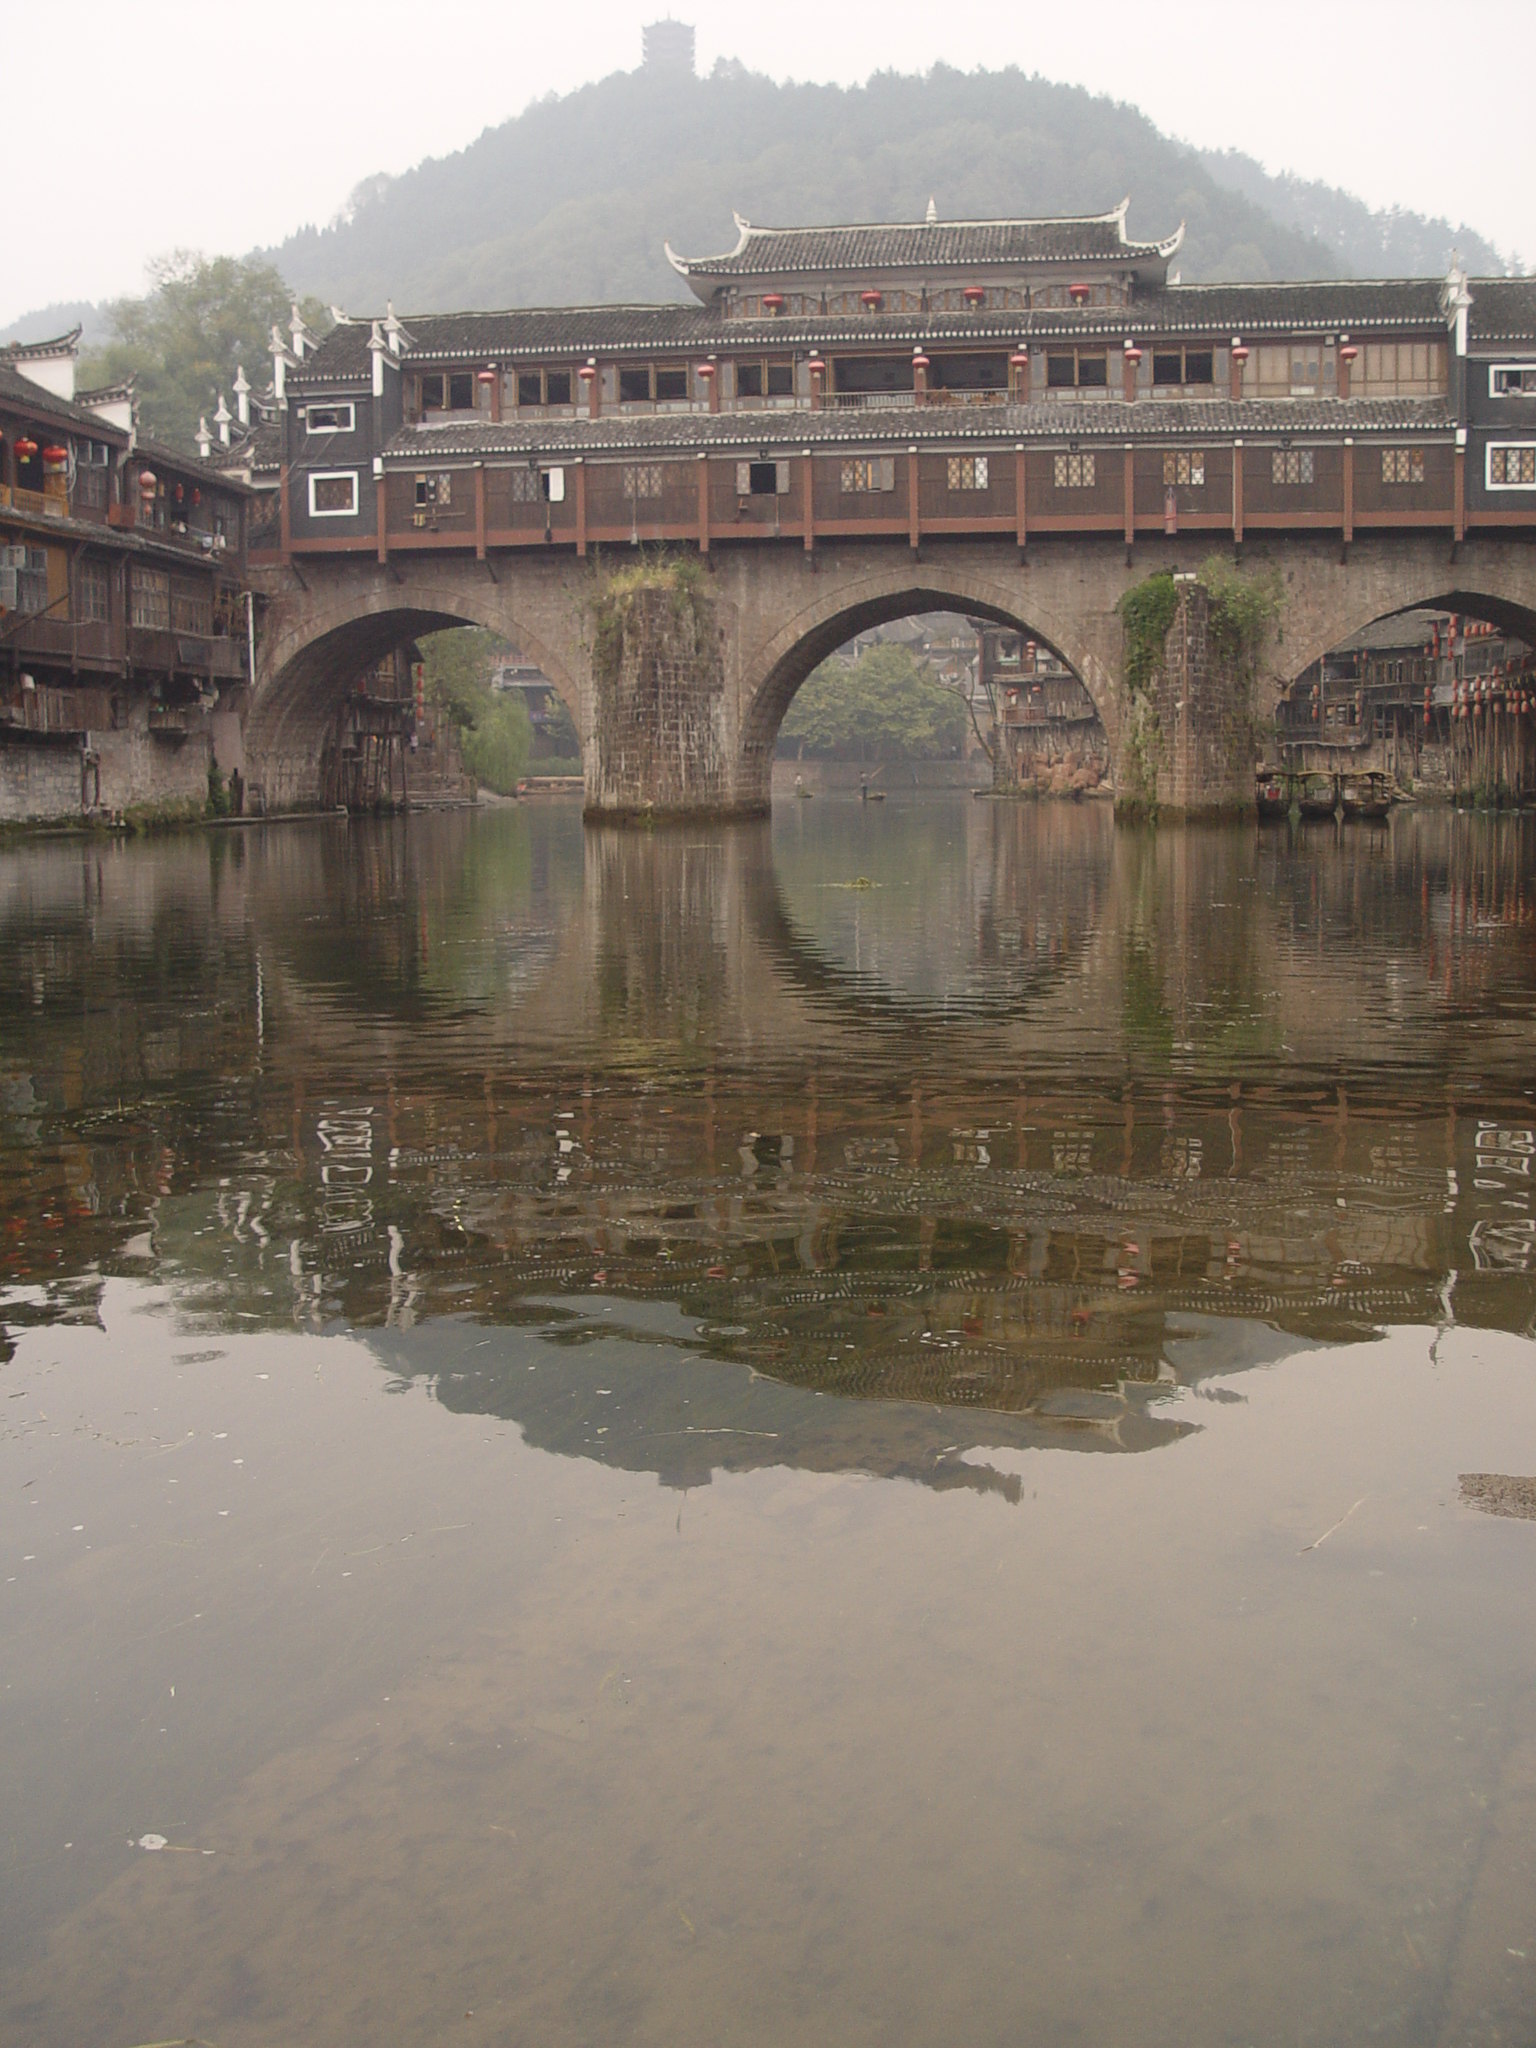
570,201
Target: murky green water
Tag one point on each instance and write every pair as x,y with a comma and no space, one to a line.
845,1433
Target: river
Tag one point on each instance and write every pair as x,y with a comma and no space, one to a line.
915,1424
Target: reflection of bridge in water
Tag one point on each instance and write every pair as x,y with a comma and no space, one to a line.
1007,1174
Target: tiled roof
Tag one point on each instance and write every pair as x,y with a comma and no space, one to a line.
535,330
259,449
1503,309
925,245
1331,304
20,391
173,458
1144,421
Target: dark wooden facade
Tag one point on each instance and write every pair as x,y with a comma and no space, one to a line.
929,379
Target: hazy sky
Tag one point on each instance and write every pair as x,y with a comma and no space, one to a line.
218,128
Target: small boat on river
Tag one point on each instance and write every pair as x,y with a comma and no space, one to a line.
1273,796
1367,796
1318,797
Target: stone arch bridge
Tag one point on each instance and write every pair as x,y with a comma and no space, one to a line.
686,725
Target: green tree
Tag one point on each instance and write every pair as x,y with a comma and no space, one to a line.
183,341
493,729
886,706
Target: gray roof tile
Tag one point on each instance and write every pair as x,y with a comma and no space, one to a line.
924,245
1144,421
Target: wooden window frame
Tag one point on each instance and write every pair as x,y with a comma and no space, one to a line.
1526,449
333,476
338,425
1526,372
965,472
1400,466
1184,468
864,475
1302,460
644,480
90,595
1075,472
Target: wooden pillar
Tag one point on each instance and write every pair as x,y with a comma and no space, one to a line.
1459,488
1235,371
1130,494
914,530
381,514
1018,362
1237,491
1021,495
591,376
581,507
1347,356
703,504
1132,359
496,395
284,512
1348,491
818,370
479,511
808,498
919,377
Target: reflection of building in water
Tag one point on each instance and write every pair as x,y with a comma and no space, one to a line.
1045,731
465,1072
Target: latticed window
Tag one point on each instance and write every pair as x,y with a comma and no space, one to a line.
1402,465
1512,466
151,600
1291,465
967,472
525,487
191,609
642,480
1185,467
1074,472
872,473
90,593
438,489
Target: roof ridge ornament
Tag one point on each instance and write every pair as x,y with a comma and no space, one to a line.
932,215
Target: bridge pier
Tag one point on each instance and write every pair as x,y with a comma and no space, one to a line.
1187,750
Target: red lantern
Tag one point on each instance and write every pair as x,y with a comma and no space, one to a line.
919,360
706,371
1019,360
26,448
148,482
817,367
872,300
975,294
487,376
55,457
1079,293
1348,352
1132,354
180,493
197,496
773,302
1239,352
588,373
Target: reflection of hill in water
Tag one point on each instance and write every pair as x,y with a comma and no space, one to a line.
611,1386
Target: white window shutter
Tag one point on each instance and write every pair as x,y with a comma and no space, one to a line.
743,479
781,477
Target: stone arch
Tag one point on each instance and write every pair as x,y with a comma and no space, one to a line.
852,603
316,642
1488,580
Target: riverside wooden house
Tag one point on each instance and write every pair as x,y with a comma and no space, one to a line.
1018,377
124,631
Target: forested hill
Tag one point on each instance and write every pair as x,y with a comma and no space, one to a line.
570,201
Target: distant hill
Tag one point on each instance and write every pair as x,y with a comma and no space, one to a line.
570,201
48,321
1389,243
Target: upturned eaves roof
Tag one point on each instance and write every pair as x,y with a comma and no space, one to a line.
924,246
20,391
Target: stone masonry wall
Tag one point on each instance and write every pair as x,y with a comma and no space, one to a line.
1205,760
38,781
659,685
